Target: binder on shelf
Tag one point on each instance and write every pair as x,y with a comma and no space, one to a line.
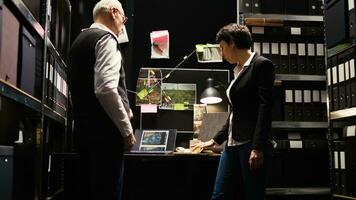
273,6
341,81
347,58
336,167
51,82
311,58
323,97
302,66
298,105
257,47
316,105
266,49
9,40
349,131
352,18
307,105
245,6
256,6
284,58
299,7
293,63
315,7
288,105
27,58
352,77
315,144
335,85
319,60
275,56
277,111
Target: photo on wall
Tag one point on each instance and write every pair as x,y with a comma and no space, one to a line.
148,86
180,96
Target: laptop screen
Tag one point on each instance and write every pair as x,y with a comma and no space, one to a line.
154,140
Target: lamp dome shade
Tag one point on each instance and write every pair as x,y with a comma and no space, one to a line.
210,95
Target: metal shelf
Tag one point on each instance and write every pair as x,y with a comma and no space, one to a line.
298,191
339,48
311,18
25,15
344,196
300,77
54,115
345,113
19,96
298,125
55,53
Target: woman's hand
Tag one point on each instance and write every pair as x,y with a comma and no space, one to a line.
256,159
198,147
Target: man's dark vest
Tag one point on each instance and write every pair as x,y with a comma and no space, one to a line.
81,77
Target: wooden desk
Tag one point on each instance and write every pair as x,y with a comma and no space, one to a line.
169,177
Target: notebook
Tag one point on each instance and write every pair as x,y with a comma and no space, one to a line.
154,141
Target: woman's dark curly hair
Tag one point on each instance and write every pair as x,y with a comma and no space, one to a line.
238,34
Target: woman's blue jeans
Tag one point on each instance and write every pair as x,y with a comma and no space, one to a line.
235,180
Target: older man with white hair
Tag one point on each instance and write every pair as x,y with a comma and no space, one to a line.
102,128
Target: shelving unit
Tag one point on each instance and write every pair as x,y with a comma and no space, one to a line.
43,130
298,191
337,196
298,77
298,74
307,18
340,57
299,125
20,9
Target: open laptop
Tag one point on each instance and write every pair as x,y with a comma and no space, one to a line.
154,141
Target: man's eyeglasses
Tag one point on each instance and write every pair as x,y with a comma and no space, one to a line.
124,18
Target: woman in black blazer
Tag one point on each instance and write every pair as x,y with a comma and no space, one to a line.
243,164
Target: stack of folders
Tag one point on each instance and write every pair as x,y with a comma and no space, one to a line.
342,80
293,50
303,102
344,162
56,88
296,140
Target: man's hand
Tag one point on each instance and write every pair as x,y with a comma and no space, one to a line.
256,159
129,141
